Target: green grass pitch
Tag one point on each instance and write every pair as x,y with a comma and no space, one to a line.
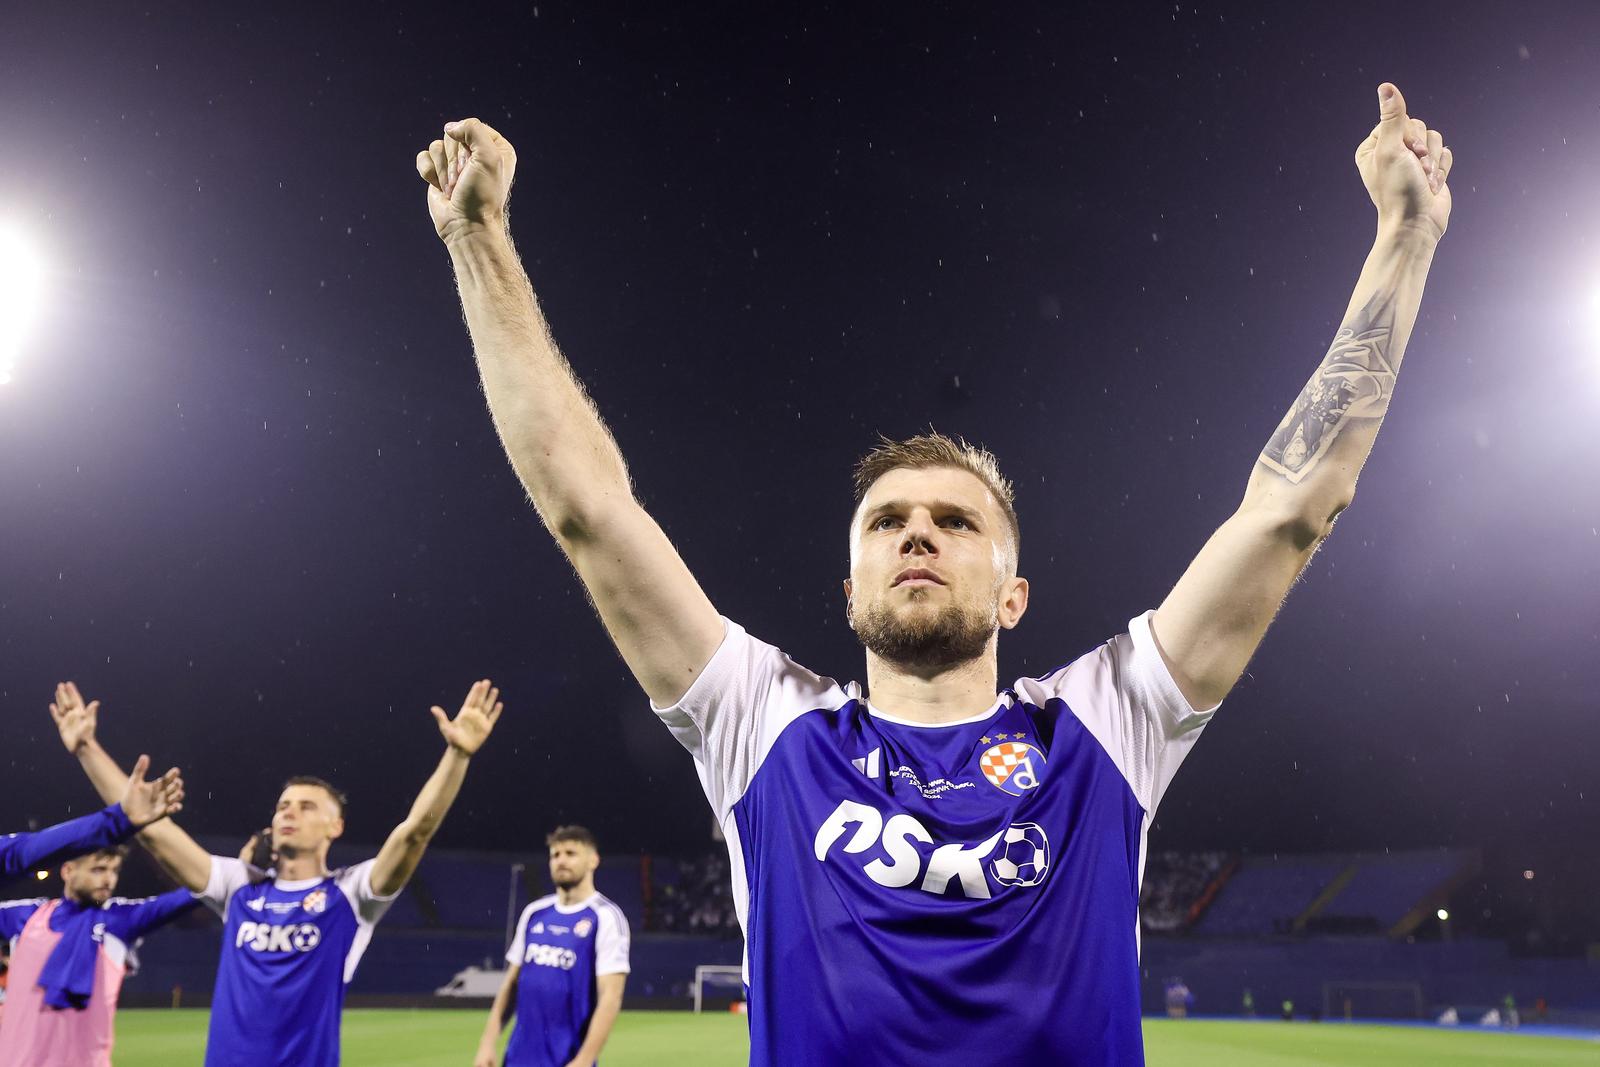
447,1039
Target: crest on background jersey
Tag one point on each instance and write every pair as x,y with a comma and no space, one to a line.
582,927
316,901
1012,767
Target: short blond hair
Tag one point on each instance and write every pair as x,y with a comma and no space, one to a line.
934,449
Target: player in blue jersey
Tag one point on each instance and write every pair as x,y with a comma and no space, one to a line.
293,936
933,869
565,968
140,803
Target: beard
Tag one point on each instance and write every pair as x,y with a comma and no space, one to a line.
927,642
567,881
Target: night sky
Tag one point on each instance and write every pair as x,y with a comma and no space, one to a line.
251,499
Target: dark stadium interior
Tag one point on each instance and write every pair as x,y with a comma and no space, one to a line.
251,500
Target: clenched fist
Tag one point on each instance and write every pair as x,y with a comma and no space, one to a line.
469,172
1405,166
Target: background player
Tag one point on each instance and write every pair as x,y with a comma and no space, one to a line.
941,872
140,803
566,967
292,937
68,959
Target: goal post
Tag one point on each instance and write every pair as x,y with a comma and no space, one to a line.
715,978
1371,1000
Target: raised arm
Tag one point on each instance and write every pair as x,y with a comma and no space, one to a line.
655,611
142,803
1210,624
181,856
463,736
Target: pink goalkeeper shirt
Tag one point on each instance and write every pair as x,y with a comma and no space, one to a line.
34,1035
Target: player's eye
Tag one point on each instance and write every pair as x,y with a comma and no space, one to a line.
885,522
958,523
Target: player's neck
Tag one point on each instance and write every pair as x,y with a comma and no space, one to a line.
301,867
578,893
927,696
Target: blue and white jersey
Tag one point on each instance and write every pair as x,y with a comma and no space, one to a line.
958,893
561,949
288,950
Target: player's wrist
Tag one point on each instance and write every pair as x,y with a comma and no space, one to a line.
466,234
1416,233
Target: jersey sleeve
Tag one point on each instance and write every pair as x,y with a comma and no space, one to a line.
611,940
14,915
1124,694
519,943
132,919
737,707
228,876
356,883
63,841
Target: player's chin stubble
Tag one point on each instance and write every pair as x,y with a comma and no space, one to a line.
950,637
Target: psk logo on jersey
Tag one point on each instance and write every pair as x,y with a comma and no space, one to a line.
1012,766
582,927
315,901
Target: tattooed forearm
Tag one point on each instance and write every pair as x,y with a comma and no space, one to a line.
1354,382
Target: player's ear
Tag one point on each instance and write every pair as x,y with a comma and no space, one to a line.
1013,602
849,590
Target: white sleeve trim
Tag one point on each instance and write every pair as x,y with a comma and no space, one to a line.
611,940
356,884
715,667
746,695
1177,714
519,942
228,875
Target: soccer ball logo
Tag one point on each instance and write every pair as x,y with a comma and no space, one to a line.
306,937
1024,857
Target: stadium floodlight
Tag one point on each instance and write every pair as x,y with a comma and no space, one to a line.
1444,916
21,288
41,875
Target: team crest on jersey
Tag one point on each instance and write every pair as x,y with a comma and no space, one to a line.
582,927
1012,767
315,901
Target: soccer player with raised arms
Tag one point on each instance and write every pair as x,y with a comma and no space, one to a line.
566,967
932,870
293,936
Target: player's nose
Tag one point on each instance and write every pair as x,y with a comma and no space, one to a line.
920,536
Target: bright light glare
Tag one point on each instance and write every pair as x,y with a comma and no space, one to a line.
21,288
1444,916
41,875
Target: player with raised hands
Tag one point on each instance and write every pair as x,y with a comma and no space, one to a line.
292,936
928,869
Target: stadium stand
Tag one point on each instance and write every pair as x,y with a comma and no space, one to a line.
1174,885
1384,890
1266,894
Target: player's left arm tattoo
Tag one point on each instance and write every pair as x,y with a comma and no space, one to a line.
1354,383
